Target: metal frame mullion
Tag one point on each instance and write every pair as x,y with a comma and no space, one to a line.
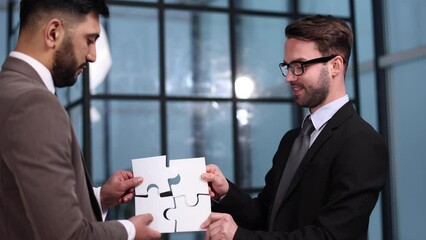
382,108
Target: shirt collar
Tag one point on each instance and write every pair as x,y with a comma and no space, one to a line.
323,114
42,70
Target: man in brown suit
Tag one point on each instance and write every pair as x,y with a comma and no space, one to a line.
45,191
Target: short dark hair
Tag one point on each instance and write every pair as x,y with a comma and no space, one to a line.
331,35
31,10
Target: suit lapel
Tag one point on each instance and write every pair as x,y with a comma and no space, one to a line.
17,65
338,118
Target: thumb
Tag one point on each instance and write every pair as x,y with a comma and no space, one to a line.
147,218
133,182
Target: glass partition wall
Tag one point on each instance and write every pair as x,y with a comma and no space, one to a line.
192,78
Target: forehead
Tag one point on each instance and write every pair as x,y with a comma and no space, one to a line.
296,49
89,26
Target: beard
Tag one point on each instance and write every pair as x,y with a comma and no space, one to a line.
65,65
315,95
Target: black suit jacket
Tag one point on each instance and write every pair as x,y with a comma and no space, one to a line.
332,193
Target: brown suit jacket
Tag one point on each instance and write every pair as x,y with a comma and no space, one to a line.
45,192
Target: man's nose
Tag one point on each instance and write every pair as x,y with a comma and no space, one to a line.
91,55
290,77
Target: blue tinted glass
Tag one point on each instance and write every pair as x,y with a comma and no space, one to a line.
406,92
270,5
338,8
133,131
134,48
201,129
209,3
404,22
261,127
260,42
197,54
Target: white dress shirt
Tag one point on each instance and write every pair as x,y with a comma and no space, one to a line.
321,116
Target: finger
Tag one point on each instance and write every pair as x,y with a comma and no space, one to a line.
128,197
124,175
211,168
206,223
132,183
207,176
213,217
207,235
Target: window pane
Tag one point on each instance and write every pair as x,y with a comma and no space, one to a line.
197,54
407,147
260,48
3,32
76,116
349,80
261,127
210,3
405,21
134,48
338,8
201,129
133,131
270,5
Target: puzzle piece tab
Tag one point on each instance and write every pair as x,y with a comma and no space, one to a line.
191,184
157,206
154,172
189,218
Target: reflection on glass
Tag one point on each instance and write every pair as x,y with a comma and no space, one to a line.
133,131
338,8
406,86
201,129
209,3
244,87
134,44
260,127
403,22
269,5
260,43
197,54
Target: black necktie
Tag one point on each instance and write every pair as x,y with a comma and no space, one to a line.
298,151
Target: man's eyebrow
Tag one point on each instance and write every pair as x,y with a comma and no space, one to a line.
296,60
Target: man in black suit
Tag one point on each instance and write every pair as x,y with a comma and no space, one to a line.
337,183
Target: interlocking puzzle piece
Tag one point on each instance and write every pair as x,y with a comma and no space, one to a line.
189,218
190,183
157,206
154,172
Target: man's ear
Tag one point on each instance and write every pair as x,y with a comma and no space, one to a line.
53,32
337,66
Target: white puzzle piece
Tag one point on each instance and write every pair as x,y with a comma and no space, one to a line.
157,206
187,208
154,172
189,218
190,183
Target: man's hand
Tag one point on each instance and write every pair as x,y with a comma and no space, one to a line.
119,188
220,226
143,232
218,185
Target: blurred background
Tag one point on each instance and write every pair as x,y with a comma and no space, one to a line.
200,78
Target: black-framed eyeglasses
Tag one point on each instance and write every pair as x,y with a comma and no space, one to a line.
298,67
